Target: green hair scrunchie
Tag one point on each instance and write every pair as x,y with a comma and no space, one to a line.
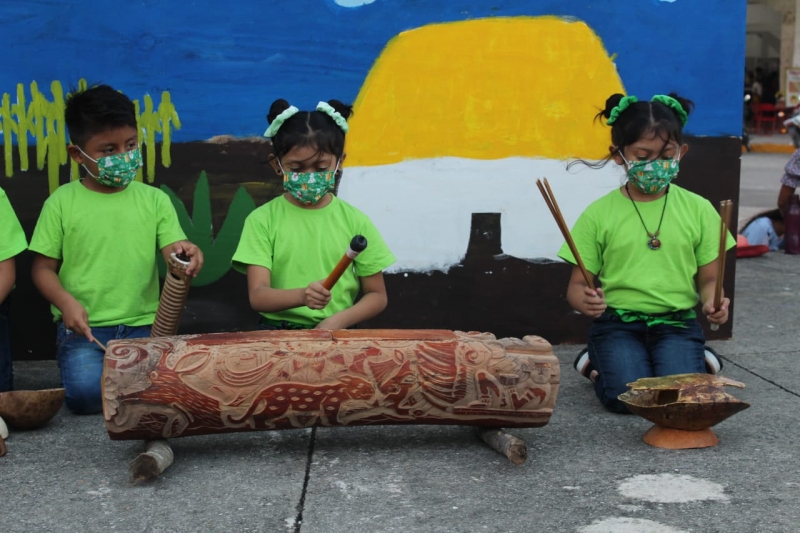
674,104
279,120
620,107
337,117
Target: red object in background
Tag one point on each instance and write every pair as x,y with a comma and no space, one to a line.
791,220
751,250
745,249
765,115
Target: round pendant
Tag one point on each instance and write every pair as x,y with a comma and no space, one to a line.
654,244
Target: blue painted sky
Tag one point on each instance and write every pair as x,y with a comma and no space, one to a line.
225,62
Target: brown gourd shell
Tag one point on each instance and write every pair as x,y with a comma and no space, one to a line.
689,402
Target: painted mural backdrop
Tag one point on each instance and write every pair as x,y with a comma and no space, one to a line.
459,106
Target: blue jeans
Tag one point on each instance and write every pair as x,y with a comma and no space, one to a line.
81,364
623,352
6,368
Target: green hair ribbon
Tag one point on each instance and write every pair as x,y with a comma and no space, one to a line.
337,117
674,104
620,107
279,120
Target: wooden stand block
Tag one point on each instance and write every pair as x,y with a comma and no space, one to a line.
508,445
178,386
157,457
679,439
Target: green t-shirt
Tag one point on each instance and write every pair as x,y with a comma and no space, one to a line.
613,245
107,245
12,238
300,246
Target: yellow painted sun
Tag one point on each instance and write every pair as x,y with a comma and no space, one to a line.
485,89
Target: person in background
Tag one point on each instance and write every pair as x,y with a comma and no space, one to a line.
765,228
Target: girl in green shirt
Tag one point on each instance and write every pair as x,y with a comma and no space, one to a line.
645,242
290,244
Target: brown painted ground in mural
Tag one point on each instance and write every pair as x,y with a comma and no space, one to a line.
519,297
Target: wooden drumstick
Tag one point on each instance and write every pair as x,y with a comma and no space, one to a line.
725,210
100,344
550,200
357,245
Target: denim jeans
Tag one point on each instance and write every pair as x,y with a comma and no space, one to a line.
6,368
623,352
81,364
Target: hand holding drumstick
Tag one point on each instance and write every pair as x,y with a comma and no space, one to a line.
75,318
318,294
592,302
718,310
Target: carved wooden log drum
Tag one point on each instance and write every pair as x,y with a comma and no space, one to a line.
228,382
173,297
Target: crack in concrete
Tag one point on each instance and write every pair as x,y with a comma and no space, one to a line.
298,521
773,352
737,365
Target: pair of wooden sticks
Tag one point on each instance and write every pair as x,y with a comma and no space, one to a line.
550,200
725,211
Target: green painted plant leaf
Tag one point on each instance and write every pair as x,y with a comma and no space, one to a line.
217,252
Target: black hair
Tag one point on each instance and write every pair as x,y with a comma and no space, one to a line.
774,215
639,119
309,128
95,110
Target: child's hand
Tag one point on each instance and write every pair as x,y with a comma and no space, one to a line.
194,254
332,322
76,319
593,303
316,296
717,316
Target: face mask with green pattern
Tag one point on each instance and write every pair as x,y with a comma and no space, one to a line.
116,170
651,177
309,188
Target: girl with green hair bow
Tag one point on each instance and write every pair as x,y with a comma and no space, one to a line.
646,243
290,244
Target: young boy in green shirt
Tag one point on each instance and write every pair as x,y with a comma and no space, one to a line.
96,241
12,242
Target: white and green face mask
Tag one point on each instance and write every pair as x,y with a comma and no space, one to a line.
309,188
651,177
116,170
